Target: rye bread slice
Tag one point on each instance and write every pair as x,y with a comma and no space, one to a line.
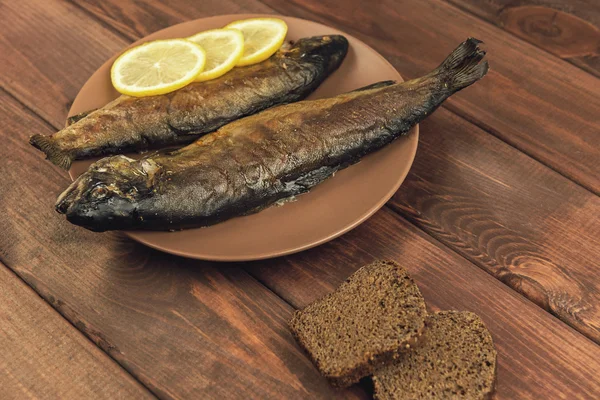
455,359
368,321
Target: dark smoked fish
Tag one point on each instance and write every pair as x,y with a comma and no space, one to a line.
137,123
254,162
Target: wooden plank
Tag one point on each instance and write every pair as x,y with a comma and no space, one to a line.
44,357
528,226
99,268
539,356
183,328
139,19
49,49
565,28
531,99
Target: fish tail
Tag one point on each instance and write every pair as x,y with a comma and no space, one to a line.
53,152
462,67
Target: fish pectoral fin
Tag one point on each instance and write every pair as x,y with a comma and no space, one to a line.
307,181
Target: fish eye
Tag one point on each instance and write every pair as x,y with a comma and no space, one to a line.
99,192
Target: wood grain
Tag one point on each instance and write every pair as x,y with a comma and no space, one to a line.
539,356
192,329
530,99
49,49
528,226
183,328
567,28
140,18
44,357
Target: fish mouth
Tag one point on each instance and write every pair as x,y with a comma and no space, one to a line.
117,213
67,198
63,204
99,215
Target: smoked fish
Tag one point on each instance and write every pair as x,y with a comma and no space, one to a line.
138,123
257,161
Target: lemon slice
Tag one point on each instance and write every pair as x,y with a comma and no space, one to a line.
157,67
262,38
223,47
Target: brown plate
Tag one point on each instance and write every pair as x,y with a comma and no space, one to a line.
329,210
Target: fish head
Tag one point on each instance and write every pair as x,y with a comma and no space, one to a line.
107,195
329,50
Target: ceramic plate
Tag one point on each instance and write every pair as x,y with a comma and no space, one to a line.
329,210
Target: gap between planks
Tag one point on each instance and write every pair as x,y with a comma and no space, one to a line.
400,215
471,13
102,22
30,110
34,291
155,392
493,132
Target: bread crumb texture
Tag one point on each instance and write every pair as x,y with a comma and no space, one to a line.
373,317
455,359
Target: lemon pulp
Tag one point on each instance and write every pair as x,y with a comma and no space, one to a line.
157,67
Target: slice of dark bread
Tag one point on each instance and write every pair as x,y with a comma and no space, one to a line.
376,314
455,359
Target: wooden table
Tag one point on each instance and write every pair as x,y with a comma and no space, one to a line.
500,214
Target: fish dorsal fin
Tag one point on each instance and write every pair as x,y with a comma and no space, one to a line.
375,85
78,117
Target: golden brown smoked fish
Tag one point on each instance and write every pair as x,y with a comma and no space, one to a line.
252,163
137,123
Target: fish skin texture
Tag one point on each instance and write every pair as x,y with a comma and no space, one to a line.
180,117
259,160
